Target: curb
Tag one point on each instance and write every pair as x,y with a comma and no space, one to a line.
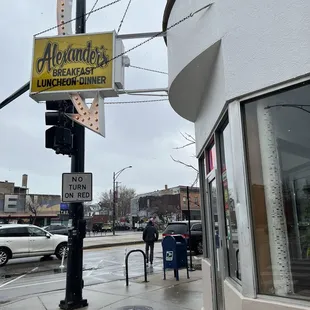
109,245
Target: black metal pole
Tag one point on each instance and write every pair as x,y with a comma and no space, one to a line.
114,199
189,231
77,231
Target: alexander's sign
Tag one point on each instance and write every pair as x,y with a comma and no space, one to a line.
77,63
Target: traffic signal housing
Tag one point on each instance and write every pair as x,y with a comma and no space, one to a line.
60,136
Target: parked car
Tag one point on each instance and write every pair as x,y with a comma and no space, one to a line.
97,227
107,228
23,240
57,229
181,228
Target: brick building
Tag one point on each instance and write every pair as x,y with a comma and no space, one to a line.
166,204
17,204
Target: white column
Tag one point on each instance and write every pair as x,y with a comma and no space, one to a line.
278,240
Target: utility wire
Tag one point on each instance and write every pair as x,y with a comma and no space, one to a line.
147,69
158,34
73,19
91,11
26,87
125,13
137,101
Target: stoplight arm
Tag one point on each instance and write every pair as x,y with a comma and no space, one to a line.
15,95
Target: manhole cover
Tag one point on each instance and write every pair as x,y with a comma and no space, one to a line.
135,308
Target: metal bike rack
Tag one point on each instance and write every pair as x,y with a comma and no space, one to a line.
126,265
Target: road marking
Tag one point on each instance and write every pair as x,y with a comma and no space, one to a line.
94,268
23,275
32,284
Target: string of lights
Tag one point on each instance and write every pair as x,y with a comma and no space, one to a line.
73,19
143,42
123,18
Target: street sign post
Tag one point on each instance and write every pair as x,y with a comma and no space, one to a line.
77,187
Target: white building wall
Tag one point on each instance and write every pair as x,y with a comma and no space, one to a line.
212,102
263,43
259,44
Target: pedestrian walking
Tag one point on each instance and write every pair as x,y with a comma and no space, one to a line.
150,236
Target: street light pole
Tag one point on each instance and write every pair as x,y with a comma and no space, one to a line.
115,176
114,200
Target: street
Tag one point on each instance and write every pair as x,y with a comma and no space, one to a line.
33,275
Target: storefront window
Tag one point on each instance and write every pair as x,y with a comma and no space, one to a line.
278,149
231,226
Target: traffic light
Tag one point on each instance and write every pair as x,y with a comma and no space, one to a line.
60,136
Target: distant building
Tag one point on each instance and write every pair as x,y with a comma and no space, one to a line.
18,205
167,204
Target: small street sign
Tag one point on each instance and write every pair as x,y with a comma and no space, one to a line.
77,187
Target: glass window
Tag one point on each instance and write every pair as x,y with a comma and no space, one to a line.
36,232
231,227
197,227
211,158
277,132
14,232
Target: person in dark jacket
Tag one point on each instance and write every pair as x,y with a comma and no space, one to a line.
150,236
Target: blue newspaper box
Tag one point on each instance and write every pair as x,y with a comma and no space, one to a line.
175,254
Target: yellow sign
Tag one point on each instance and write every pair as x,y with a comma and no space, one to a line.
77,63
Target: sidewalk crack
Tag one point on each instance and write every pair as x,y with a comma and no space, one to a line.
42,303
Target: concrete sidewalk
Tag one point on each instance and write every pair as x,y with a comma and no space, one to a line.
117,240
157,294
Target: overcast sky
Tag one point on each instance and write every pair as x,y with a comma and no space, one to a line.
141,135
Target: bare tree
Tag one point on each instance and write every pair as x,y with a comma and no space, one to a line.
125,195
190,140
33,205
123,202
106,202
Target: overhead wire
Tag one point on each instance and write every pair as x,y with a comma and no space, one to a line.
73,19
24,88
150,70
123,18
92,9
137,101
158,34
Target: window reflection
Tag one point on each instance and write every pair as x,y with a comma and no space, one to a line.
211,158
232,243
278,147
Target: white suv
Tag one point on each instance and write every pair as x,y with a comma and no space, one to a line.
18,240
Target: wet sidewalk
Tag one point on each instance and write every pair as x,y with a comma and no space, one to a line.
108,240
157,294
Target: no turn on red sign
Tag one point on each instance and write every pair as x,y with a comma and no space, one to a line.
77,187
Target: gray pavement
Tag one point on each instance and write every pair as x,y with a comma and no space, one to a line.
33,275
107,240
157,294
21,277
